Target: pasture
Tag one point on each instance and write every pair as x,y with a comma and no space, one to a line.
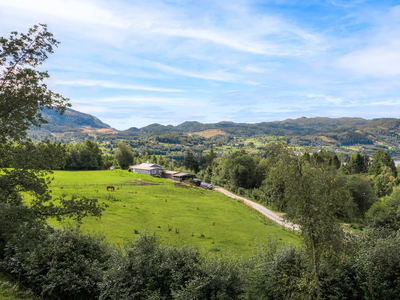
178,213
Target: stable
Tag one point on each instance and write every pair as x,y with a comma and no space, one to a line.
147,169
169,174
183,176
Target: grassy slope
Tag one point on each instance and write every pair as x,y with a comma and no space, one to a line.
152,204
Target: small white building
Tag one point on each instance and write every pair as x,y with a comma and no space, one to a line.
147,169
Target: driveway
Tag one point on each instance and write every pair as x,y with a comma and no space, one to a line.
266,212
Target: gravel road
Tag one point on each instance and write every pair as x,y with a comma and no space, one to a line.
266,212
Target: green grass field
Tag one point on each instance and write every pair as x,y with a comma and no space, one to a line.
178,214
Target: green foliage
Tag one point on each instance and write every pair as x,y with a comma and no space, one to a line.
380,160
378,265
315,199
358,164
218,277
146,269
386,214
124,155
239,170
279,274
335,162
191,162
23,94
86,156
384,182
61,264
362,194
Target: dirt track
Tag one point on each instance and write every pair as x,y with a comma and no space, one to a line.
266,212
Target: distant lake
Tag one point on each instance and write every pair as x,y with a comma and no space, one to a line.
396,162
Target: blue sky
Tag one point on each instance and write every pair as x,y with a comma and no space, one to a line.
133,63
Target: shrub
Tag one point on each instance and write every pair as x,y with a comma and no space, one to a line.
148,270
58,264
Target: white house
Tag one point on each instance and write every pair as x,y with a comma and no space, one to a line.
147,169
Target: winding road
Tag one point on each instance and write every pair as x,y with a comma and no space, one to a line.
266,212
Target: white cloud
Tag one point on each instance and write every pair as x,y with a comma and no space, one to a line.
72,10
113,85
217,75
152,99
385,103
376,50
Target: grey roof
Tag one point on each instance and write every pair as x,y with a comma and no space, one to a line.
145,166
183,174
171,172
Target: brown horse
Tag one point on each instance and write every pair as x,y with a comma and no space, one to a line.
110,187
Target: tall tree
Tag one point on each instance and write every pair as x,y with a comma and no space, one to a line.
124,155
191,161
23,95
379,161
315,196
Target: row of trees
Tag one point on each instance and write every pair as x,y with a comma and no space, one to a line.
258,176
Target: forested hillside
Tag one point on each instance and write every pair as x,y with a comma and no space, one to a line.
340,134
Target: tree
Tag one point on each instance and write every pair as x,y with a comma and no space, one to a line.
240,169
23,95
124,155
315,196
86,156
358,163
191,161
362,193
384,182
210,156
380,160
335,162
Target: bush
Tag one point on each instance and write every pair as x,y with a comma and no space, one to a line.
57,264
277,273
11,216
216,278
148,270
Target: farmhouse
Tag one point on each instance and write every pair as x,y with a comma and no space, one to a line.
147,169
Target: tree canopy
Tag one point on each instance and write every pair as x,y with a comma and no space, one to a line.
23,95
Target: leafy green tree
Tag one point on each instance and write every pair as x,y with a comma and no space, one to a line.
191,161
147,269
386,214
358,163
23,95
42,256
315,197
108,161
384,182
210,156
86,156
124,155
335,162
240,169
362,194
379,161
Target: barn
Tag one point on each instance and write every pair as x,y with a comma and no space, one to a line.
147,169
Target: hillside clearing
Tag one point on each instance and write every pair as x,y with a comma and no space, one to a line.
191,215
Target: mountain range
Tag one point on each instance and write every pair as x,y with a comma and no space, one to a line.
380,132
